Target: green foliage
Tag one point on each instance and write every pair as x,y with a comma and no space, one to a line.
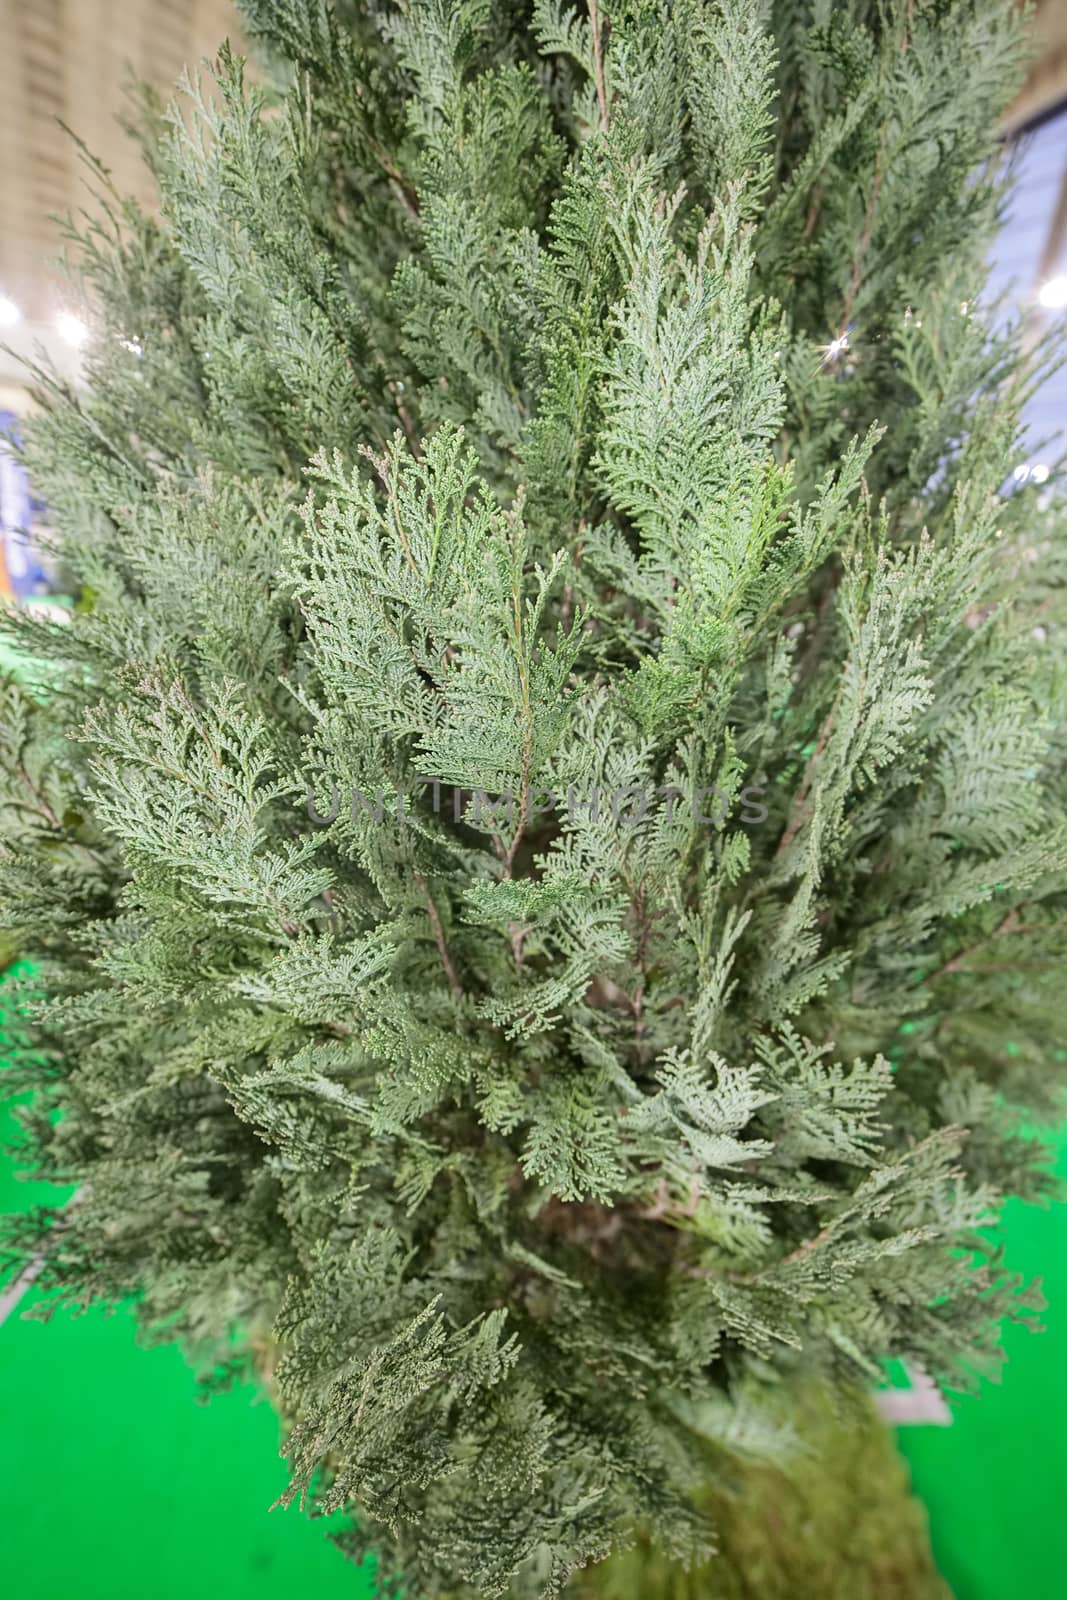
546,846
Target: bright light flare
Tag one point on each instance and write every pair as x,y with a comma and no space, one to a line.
71,329
1053,292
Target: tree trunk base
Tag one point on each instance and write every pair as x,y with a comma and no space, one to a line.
837,1523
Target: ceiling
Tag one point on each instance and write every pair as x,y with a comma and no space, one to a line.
1046,86
68,61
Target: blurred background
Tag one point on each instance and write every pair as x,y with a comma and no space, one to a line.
162,1497
65,64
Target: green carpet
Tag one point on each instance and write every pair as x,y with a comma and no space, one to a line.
116,1485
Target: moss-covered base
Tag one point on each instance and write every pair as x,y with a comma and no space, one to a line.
839,1523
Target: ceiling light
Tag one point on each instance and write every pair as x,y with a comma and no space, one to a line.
1053,292
71,328
9,312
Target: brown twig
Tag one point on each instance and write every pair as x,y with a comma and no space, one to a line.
1006,925
812,218
396,389
598,65
662,1208
527,741
566,611
43,808
454,985
798,811
403,190
809,1244
381,469
644,920
856,275
1009,924
524,806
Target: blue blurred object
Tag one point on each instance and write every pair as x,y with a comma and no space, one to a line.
22,571
1028,277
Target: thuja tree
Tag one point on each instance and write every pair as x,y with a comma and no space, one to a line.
544,847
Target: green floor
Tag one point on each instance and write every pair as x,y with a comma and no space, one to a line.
116,1485
995,1481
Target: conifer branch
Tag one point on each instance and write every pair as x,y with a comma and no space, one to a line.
598,63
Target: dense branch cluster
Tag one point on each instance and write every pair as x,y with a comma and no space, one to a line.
513,405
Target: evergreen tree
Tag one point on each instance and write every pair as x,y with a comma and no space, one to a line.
545,843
